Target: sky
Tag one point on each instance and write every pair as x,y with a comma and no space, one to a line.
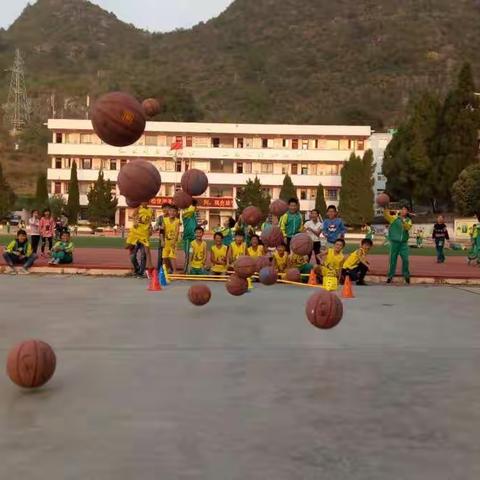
153,15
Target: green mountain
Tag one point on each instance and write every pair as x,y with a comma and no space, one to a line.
298,61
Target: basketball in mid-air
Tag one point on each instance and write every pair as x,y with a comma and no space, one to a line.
118,119
324,309
182,199
268,276
31,364
252,216
199,295
139,180
263,261
383,200
278,208
236,286
245,266
194,182
301,244
272,237
151,107
293,275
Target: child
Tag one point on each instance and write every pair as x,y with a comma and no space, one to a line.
356,265
474,252
237,248
300,262
291,222
19,252
62,250
369,231
439,235
172,230
333,227
314,228
47,228
280,258
227,231
419,237
218,255
331,261
255,250
189,221
34,226
198,253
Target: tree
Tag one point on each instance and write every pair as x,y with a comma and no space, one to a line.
466,191
7,196
351,191
101,202
253,194
41,195
57,205
288,190
320,204
73,205
367,182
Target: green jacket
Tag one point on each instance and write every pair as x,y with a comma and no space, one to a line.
399,228
18,248
291,224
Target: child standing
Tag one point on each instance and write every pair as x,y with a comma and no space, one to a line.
280,258
356,265
439,235
237,248
198,253
19,252
314,228
218,255
34,226
62,250
333,227
291,222
47,229
189,222
255,249
172,230
474,252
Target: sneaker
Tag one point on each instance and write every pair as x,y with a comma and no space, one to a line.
12,271
23,271
407,280
389,280
362,283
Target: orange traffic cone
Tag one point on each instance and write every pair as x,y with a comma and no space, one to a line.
154,285
312,278
347,291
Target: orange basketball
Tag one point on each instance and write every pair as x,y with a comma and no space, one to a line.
194,182
182,199
151,107
118,119
301,244
252,216
268,276
139,181
31,364
245,266
324,309
236,286
272,237
262,262
383,200
278,208
199,295
293,275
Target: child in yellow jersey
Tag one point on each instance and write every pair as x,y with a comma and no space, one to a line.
356,265
280,258
237,248
331,261
218,255
255,249
171,225
198,253
300,262
138,239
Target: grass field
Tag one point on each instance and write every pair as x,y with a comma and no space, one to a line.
117,242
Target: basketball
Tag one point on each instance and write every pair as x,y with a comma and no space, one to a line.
236,286
139,181
199,295
245,266
194,182
118,119
182,199
293,275
278,208
132,203
383,200
151,107
272,237
252,216
262,262
31,364
324,310
301,244
268,276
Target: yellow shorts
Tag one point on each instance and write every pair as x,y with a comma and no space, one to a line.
170,249
135,237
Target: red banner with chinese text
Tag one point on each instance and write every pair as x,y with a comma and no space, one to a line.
203,202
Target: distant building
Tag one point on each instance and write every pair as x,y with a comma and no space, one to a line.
378,143
230,154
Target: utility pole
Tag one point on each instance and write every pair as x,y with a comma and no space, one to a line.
17,109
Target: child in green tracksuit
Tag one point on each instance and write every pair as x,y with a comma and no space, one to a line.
474,252
62,251
291,222
398,235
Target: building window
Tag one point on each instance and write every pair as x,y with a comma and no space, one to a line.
331,194
168,190
247,167
284,142
294,168
187,165
304,144
304,170
268,191
295,144
316,143
343,144
178,165
57,187
123,162
151,140
189,141
85,138
303,194
360,144
239,167
113,164
215,142
58,138
86,163
284,170
239,142
264,142
313,169
58,163
266,168
179,140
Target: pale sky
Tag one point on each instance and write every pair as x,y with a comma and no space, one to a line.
153,15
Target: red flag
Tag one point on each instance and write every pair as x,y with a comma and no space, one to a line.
176,146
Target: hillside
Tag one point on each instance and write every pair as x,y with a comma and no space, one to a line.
302,61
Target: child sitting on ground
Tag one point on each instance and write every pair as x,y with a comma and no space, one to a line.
331,261
237,248
256,249
300,262
62,252
218,255
19,252
356,265
280,258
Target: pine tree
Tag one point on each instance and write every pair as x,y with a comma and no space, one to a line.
320,204
7,196
466,191
367,195
41,196
351,192
288,190
73,205
57,205
101,203
252,194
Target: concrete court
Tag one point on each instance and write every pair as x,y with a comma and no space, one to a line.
149,387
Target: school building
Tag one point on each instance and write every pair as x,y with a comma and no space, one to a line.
230,154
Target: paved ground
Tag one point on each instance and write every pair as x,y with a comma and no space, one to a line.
150,387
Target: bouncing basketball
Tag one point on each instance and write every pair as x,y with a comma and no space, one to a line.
194,182
236,286
324,310
199,295
182,200
293,275
267,276
151,107
139,181
252,216
245,266
278,208
383,200
301,244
